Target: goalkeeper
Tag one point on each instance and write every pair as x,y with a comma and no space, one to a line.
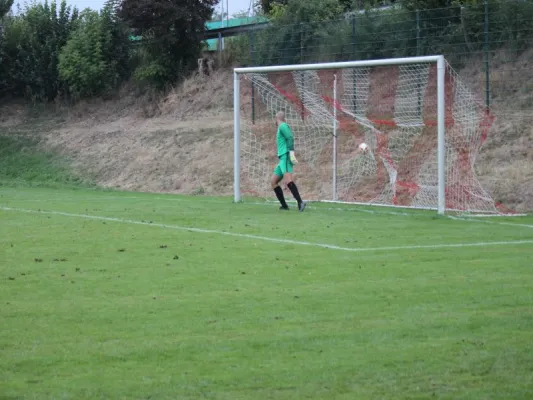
285,142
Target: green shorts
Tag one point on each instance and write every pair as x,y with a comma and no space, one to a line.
284,166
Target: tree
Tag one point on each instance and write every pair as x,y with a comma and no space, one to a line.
32,41
309,11
298,25
5,6
267,5
95,58
172,32
217,16
240,14
357,5
431,4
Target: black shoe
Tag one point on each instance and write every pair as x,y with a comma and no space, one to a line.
284,208
301,206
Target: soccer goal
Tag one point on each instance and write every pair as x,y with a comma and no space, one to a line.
422,125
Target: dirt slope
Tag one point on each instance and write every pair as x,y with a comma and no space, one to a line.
185,148
184,142
160,154
505,164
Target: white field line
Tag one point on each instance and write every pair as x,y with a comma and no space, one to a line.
224,201
270,239
274,204
354,209
483,221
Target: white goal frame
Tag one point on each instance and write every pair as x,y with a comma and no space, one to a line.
441,127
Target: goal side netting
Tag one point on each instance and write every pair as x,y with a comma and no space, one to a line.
392,106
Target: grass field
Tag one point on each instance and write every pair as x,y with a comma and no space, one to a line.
108,295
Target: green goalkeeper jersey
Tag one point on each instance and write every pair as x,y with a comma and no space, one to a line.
284,139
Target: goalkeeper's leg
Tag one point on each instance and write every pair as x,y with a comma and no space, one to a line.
276,179
294,190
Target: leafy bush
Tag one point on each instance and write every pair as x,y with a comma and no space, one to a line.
33,40
94,60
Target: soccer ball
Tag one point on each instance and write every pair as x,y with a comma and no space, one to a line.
363,147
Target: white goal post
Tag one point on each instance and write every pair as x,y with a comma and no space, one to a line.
401,107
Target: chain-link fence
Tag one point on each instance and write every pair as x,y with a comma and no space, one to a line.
489,42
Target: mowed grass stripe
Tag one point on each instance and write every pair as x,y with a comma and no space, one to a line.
271,239
20,197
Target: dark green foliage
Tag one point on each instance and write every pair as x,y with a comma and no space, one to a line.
413,5
30,49
309,31
5,6
310,11
95,58
266,5
237,50
510,23
365,4
93,50
172,34
347,5
426,4
297,27
320,31
217,16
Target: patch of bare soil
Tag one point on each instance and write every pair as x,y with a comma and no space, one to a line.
11,115
505,164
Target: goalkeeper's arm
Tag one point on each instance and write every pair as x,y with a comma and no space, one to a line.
287,134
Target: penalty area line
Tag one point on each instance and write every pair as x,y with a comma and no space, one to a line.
266,238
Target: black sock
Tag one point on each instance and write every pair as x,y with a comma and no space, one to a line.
279,195
294,191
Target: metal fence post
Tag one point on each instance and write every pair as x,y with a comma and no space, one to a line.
220,48
302,72
354,49
487,70
252,62
301,43
418,32
252,49
419,91
354,57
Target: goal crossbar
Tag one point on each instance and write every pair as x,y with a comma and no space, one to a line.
341,64
438,60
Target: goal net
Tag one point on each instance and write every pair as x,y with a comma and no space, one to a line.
423,126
